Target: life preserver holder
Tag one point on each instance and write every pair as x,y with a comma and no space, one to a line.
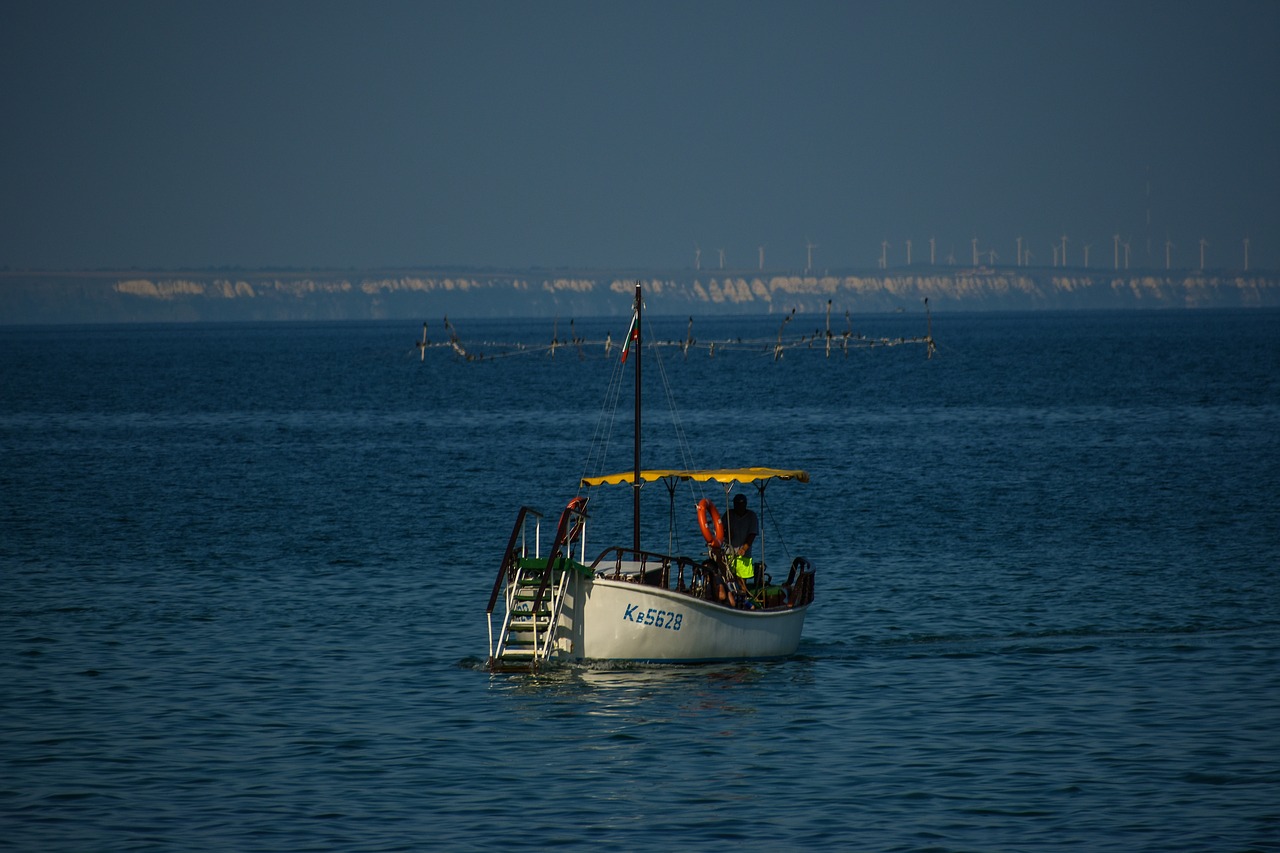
711,523
570,522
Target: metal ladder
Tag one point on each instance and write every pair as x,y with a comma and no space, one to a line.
534,600
533,592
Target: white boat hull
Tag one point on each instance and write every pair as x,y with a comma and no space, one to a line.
607,619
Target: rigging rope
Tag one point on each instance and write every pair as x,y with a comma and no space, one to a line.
598,448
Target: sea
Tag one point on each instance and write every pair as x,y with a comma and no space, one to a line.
244,571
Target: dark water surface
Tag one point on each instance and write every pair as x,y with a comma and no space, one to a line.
245,568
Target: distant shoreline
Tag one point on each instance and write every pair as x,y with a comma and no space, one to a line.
228,294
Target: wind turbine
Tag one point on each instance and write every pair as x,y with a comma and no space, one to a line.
1064,250
1168,253
1019,251
1246,253
1126,254
697,257
809,247
721,258
1086,255
884,257
760,249
932,247
1203,243
1116,238
1055,254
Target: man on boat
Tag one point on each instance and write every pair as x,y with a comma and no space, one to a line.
741,527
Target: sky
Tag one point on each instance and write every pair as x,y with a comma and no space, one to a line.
631,134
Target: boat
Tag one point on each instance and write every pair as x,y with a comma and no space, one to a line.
629,603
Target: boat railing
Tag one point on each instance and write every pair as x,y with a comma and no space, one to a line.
517,547
572,524
800,582
651,568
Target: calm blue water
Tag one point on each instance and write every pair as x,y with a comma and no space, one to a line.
245,567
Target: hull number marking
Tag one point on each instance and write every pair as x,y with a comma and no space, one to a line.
653,617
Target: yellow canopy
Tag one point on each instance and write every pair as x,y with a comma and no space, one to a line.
717,475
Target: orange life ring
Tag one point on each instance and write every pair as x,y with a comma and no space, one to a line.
705,508
571,524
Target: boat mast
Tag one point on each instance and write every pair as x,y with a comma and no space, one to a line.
635,481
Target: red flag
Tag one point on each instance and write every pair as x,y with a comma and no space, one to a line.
633,334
